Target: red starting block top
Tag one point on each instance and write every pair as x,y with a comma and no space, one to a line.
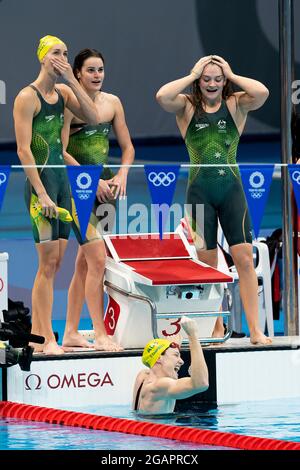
147,246
180,271
161,262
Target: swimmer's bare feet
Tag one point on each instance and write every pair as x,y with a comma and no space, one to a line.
76,340
51,347
105,343
218,333
257,337
219,329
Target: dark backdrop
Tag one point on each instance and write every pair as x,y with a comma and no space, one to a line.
145,44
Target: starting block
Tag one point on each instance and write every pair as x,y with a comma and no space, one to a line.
151,283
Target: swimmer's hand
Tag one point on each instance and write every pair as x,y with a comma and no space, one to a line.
44,205
63,69
63,215
189,325
200,65
119,181
228,73
105,192
51,211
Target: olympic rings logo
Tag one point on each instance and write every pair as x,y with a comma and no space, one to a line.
256,195
296,176
161,178
222,124
253,179
3,178
87,181
83,197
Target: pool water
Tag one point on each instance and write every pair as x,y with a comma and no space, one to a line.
23,435
276,419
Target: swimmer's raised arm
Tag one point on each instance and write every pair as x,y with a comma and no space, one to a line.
170,96
187,386
254,93
76,99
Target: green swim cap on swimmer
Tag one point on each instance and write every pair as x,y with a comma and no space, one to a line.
153,350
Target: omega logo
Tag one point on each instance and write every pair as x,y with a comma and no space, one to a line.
33,382
80,380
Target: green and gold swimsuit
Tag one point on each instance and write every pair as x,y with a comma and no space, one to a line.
89,146
212,138
46,147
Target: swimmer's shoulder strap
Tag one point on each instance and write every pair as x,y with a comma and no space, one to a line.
137,398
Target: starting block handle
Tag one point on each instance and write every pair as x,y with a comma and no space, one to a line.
155,316
211,340
142,298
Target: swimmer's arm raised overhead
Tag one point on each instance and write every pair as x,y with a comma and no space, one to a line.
181,388
25,107
170,96
76,99
198,380
254,93
122,133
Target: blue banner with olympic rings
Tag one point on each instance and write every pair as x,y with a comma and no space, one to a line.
294,172
161,181
4,175
84,181
257,181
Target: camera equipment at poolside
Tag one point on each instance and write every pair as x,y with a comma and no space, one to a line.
18,317
16,330
10,356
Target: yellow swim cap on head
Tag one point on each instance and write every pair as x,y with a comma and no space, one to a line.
153,350
45,44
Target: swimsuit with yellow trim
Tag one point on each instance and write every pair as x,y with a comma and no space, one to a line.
212,138
46,147
90,146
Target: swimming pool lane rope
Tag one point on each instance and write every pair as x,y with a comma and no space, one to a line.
142,428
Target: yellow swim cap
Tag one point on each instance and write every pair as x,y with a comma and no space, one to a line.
153,350
45,44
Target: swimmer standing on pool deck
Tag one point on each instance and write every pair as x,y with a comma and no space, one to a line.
211,120
89,145
39,115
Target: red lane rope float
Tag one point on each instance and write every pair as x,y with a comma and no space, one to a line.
142,428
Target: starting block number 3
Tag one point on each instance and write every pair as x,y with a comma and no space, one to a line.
112,316
176,328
